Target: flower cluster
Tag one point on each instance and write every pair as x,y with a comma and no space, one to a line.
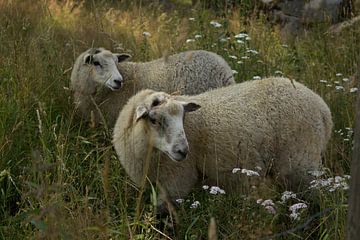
331,184
249,173
214,190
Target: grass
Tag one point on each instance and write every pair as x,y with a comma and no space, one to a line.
60,179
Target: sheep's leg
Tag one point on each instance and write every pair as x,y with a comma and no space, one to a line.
175,180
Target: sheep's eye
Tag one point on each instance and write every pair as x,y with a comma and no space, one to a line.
155,103
153,121
96,63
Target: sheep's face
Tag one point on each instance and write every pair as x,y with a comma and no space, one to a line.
103,67
164,117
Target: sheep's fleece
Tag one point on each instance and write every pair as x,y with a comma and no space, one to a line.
275,126
190,72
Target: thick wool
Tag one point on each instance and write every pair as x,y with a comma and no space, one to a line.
275,124
190,73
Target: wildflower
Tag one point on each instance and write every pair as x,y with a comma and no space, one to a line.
338,74
248,38
258,168
287,195
233,56
353,90
245,57
215,24
235,170
270,209
240,41
191,19
179,201
146,34
323,81
256,78
195,204
336,82
279,72
216,190
328,85
239,62
197,36
259,201
345,79
223,40
268,202
241,35
205,187
190,40
234,71
295,210
339,88
285,46
252,51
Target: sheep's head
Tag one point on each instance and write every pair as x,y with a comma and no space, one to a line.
164,116
103,67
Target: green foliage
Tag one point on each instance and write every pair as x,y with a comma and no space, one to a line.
60,179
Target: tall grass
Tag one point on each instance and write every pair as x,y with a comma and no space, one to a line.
60,179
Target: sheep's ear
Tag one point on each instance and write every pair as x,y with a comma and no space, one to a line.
122,56
191,106
141,112
88,58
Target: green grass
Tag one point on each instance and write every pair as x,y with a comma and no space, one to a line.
60,179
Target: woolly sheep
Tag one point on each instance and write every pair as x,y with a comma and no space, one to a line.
274,124
102,82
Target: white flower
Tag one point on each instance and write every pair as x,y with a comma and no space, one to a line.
233,56
339,74
270,209
354,89
235,170
240,41
328,85
252,51
190,40
287,195
279,72
241,35
256,78
234,71
285,46
323,81
215,24
259,201
223,40
336,82
245,57
258,168
216,190
180,200
268,202
147,34
191,19
197,36
339,88
205,187
195,204
297,206
345,79
248,38
295,210
239,62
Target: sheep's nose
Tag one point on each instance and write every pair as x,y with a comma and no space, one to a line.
118,83
182,151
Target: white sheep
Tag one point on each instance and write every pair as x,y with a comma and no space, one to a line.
274,126
102,82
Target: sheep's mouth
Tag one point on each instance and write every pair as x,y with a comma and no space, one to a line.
116,87
177,157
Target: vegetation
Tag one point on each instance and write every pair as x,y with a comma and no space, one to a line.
60,179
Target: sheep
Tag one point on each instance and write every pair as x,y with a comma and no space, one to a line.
103,81
275,126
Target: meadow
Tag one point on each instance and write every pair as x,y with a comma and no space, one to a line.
60,178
